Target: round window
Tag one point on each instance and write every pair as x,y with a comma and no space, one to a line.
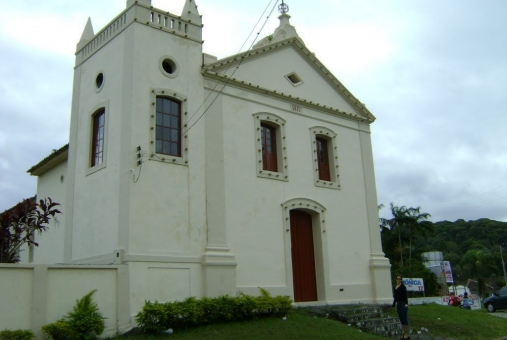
168,66
99,81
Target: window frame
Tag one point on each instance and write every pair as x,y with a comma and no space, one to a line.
102,107
320,132
269,141
162,138
97,157
278,123
323,165
182,159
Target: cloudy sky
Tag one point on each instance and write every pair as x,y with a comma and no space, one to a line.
433,72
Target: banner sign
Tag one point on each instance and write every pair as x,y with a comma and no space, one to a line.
447,271
414,284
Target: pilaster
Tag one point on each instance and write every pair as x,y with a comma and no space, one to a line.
219,264
380,268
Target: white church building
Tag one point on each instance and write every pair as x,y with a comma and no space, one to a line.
205,177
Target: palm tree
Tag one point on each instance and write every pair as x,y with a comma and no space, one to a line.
417,222
406,218
396,223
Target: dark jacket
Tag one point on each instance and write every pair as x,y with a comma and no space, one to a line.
400,295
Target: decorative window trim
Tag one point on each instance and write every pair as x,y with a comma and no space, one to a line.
101,106
176,66
183,159
323,132
281,152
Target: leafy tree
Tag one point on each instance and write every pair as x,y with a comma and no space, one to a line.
479,264
19,225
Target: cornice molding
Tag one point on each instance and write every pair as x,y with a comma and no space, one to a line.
213,71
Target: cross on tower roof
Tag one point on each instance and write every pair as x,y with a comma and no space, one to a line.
283,8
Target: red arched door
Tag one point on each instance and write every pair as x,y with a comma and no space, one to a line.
303,259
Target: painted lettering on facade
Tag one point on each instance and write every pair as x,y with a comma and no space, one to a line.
296,108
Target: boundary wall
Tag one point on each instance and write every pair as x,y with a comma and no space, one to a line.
35,295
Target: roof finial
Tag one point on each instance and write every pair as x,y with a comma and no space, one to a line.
283,8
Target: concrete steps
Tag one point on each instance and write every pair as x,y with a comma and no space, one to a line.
368,318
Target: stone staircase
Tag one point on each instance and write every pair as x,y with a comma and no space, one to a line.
368,318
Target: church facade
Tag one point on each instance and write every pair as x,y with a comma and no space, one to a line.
210,177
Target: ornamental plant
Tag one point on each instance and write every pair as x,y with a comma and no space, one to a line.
84,322
19,225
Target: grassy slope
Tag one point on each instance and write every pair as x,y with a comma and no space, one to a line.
458,323
454,322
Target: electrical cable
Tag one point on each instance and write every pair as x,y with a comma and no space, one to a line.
228,78
227,69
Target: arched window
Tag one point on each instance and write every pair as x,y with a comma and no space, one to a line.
325,157
271,149
98,135
168,127
268,140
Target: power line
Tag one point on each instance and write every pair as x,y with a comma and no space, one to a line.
227,69
237,67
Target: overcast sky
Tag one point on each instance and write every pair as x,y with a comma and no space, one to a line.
433,72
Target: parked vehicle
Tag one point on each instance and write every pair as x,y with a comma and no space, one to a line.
497,301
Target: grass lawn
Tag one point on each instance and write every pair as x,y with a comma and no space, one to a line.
450,322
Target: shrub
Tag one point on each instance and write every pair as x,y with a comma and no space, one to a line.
16,335
84,322
156,317
59,330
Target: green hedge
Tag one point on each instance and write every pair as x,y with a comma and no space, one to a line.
157,317
16,335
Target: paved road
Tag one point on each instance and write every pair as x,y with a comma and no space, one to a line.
500,314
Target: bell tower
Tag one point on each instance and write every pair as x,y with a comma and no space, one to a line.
131,156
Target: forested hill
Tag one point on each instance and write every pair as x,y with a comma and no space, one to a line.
482,233
462,242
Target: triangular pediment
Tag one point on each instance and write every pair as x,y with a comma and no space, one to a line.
289,69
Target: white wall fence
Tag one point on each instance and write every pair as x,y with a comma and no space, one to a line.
35,295
444,300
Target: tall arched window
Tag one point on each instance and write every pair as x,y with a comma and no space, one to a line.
271,149
325,157
168,127
99,122
268,140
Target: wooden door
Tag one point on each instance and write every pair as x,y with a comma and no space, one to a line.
303,259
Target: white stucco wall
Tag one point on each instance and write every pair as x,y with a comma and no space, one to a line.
254,217
16,305
269,71
41,294
53,184
151,216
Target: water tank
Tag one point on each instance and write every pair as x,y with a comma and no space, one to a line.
432,258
